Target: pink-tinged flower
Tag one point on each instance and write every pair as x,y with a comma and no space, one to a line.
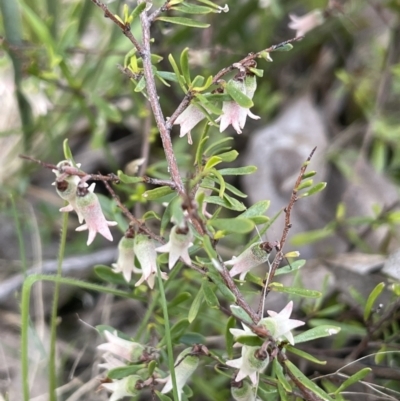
110,362
124,349
187,364
279,325
88,206
66,187
126,259
233,114
180,240
125,387
145,252
306,23
188,119
249,258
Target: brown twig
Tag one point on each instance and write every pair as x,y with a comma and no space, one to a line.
288,210
125,28
251,57
155,106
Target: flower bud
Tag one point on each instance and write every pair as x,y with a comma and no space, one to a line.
126,258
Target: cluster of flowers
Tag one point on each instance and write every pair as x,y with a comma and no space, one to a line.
145,250
232,113
119,352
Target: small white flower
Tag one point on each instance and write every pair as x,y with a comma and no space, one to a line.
248,364
88,206
279,325
145,252
249,258
233,114
180,240
122,388
187,364
188,119
125,349
126,259
306,23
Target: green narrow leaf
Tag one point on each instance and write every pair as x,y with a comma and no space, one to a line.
200,148
304,354
228,157
281,376
306,382
211,162
302,292
203,87
107,275
257,209
182,297
315,189
192,9
239,97
123,371
233,225
177,330
232,204
161,396
316,332
296,265
137,11
209,106
282,392
371,300
238,170
194,309
67,152
284,48
140,85
183,21
228,295
177,73
157,193
229,339
353,379
241,314
185,65
209,295
250,340
214,147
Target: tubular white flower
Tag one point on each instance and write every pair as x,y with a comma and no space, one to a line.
279,325
88,205
188,119
306,23
248,364
126,259
186,367
249,258
233,114
125,349
177,246
145,251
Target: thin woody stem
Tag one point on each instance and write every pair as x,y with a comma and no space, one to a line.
155,106
288,210
126,28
